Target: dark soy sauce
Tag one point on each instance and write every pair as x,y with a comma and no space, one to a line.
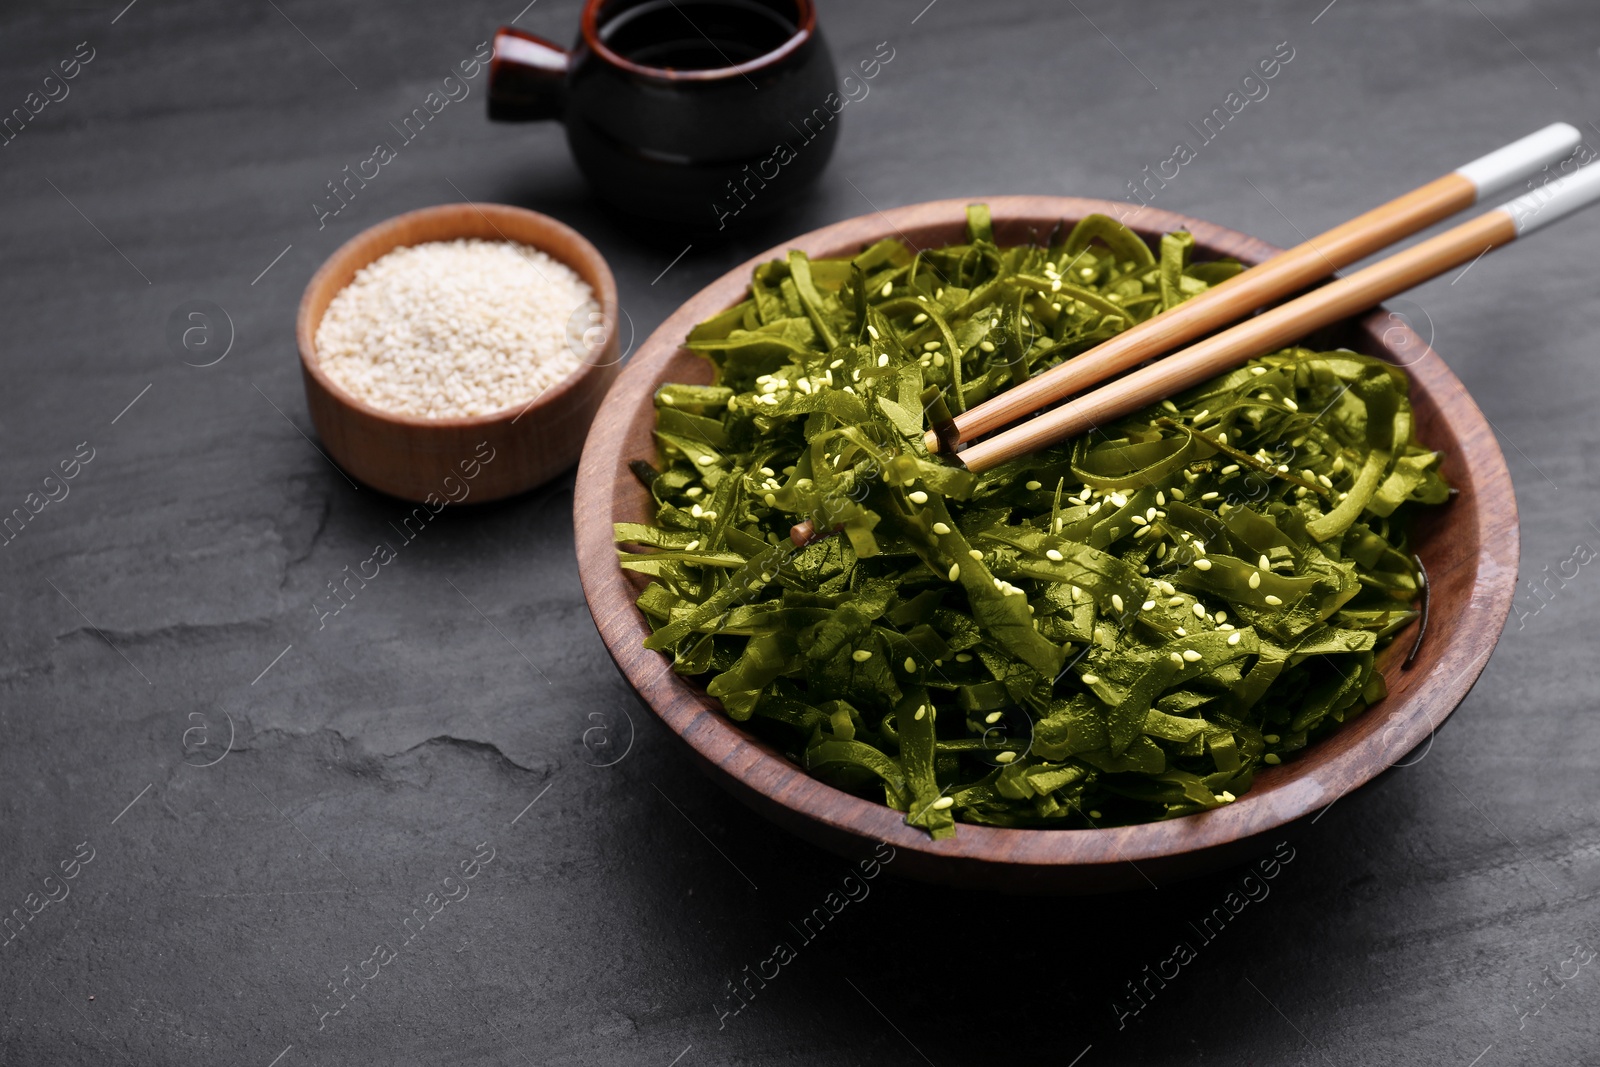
696,34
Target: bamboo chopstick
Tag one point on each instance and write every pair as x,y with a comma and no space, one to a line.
1283,324
1273,279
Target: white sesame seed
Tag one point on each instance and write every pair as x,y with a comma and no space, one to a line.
994,717
1273,600
692,545
1230,468
1053,554
944,802
861,655
1199,610
883,359
1032,485
920,319
1004,757
917,496
1255,579
1233,638
1091,679
940,528
888,287
1191,656
911,665
458,328
1116,601
955,571
1202,564
1209,496
975,554
1176,658
922,709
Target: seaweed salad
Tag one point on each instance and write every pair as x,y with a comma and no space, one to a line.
1119,629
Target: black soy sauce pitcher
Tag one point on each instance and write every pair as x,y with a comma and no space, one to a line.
699,113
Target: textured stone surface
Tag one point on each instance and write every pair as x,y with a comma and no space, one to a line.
1429,918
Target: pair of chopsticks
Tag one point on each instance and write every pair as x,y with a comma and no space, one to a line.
1271,280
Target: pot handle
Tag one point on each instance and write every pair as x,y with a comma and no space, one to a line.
527,77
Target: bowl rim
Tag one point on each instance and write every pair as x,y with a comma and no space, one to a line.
765,779
378,236
805,30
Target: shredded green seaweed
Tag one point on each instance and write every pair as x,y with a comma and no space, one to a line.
1116,630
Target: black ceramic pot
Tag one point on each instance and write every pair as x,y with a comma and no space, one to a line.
700,113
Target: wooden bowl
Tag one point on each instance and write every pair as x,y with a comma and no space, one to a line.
1468,546
411,457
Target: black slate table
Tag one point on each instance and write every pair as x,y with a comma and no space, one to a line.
257,807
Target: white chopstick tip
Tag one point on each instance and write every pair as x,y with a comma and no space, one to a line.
1554,200
1506,167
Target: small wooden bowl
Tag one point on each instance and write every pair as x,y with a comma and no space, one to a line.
1469,548
410,457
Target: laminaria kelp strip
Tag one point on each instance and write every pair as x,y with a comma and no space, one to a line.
1120,629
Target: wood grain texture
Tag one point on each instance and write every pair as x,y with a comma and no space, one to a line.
1229,301
1266,332
410,457
1469,547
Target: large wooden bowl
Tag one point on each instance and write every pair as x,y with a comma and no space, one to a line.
1468,546
416,458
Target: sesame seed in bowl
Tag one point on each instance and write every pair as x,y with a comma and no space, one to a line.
458,352
448,329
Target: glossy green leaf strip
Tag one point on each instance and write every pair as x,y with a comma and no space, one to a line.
1127,627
